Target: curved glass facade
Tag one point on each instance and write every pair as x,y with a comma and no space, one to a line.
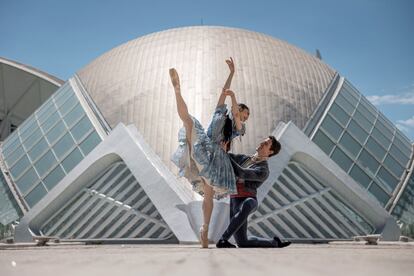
364,143
48,145
404,209
9,209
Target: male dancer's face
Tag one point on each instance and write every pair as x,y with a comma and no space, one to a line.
264,148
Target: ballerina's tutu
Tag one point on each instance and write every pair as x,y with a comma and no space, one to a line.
203,157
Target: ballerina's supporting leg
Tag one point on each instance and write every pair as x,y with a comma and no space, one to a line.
207,211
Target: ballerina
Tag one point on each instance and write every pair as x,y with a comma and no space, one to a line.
202,157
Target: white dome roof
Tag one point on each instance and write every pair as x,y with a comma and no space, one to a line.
278,81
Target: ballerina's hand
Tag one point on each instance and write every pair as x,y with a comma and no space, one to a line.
228,92
230,63
175,79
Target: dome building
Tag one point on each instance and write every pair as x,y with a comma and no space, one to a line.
278,81
93,162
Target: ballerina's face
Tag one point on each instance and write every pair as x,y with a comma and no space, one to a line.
244,114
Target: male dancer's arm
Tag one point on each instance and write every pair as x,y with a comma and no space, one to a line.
257,173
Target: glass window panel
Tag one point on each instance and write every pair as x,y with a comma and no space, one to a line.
74,115
61,91
341,159
81,128
360,176
28,132
367,161
69,104
386,178
35,195
332,127
11,143
45,163
393,166
32,139
64,97
362,121
350,144
403,158
72,160
357,131
405,142
379,193
50,122
387,123
64,145
38,149
376,149
339,114
91,142
350,95
344,104
381,139
401,145
384,130
46,115
20,166
369,106
27,180
53,177
45,110
28,123
56,132
10,160
323,142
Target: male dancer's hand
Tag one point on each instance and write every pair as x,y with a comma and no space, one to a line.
225,145
175,79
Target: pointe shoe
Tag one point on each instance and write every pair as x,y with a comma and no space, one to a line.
204,236
175,79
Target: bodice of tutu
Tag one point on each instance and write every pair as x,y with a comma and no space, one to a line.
215,130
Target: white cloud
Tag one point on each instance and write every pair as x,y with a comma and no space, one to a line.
403,95
409,123
402,128
407,98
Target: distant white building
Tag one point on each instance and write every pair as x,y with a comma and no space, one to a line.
93,161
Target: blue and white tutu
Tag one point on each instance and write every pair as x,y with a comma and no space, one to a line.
207,159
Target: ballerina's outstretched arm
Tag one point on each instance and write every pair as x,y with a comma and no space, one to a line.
227,85
181,105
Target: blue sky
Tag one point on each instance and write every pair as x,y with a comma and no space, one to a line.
370,42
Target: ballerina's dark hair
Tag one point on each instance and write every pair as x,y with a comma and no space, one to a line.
242,106
228,131
228,126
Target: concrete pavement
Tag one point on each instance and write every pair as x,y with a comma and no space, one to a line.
299,259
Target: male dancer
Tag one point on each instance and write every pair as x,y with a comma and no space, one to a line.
251,172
